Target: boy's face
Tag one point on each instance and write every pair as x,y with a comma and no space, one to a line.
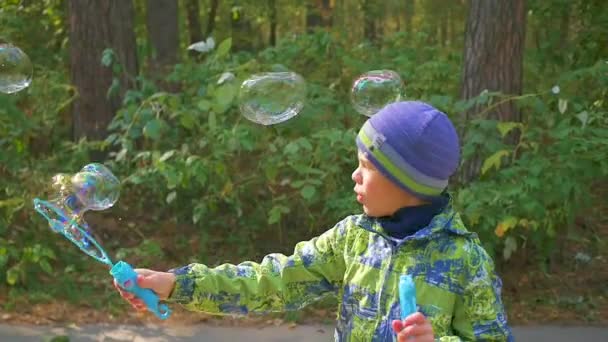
378,195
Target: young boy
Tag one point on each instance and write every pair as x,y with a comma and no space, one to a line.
407,152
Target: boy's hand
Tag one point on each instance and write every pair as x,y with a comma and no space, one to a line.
414,327
160,282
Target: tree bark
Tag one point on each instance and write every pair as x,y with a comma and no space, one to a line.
409,14
193,11
163,34
212,15
242,39
493,60
272,39
93,27
318,14
370,12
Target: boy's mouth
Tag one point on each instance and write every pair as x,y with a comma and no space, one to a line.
359,198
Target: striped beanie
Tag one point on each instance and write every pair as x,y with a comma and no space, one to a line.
414,145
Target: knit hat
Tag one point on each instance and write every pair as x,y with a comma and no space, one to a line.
414,145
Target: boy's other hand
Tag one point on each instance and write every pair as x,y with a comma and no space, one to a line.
161,283
414,327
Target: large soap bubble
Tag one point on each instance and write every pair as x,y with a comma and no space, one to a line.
15,69
96,187
273,97
375,89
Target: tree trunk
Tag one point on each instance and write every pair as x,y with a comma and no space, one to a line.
212,15
493,60
318,14
409,14
241,29
272,39
163,34
193,11
370,12
93,27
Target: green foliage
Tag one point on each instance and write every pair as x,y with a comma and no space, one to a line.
189,157
531,192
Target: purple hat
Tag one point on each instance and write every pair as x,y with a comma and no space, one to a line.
414,145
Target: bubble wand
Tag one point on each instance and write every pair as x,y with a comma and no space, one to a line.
407,295
93,188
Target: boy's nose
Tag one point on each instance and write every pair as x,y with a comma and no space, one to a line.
356,176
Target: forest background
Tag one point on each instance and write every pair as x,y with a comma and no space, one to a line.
526,82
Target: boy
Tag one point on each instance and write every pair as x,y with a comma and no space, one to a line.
407,152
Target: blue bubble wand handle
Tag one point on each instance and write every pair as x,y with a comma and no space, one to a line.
126,277
407,295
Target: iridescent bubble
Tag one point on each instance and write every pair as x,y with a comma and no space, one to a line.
96,187
273,97
375,89
15,69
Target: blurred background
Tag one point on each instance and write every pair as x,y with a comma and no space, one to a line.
526,82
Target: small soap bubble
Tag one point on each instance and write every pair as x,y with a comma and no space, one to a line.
555,90
375,89
15,69
96,187
273,97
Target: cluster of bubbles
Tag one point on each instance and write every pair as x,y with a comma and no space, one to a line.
94,187
15,69
266,98
274,97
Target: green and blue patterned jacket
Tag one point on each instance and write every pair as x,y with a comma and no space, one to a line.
456,285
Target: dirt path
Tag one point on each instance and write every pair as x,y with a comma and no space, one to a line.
205,333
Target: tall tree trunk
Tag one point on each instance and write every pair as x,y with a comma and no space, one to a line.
272,39
193,11
241,28
493,60
409,14
212,15
318,14
370,11
564,27
163,34
93,27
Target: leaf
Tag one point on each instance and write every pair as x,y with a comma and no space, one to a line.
171,197
510,247
583,117
224,97
211,120
121,155
12,276
203,45
152,129
494,161
562,105
204,105
166,155
505,225
107,57
505,127
308,191
46,267
224,48
187,120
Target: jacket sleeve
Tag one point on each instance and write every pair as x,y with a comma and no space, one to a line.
278,283
479,314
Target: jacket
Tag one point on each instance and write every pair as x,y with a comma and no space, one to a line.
457,288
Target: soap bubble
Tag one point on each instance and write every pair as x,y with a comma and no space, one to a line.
15,69
375,89
272,97
96,187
